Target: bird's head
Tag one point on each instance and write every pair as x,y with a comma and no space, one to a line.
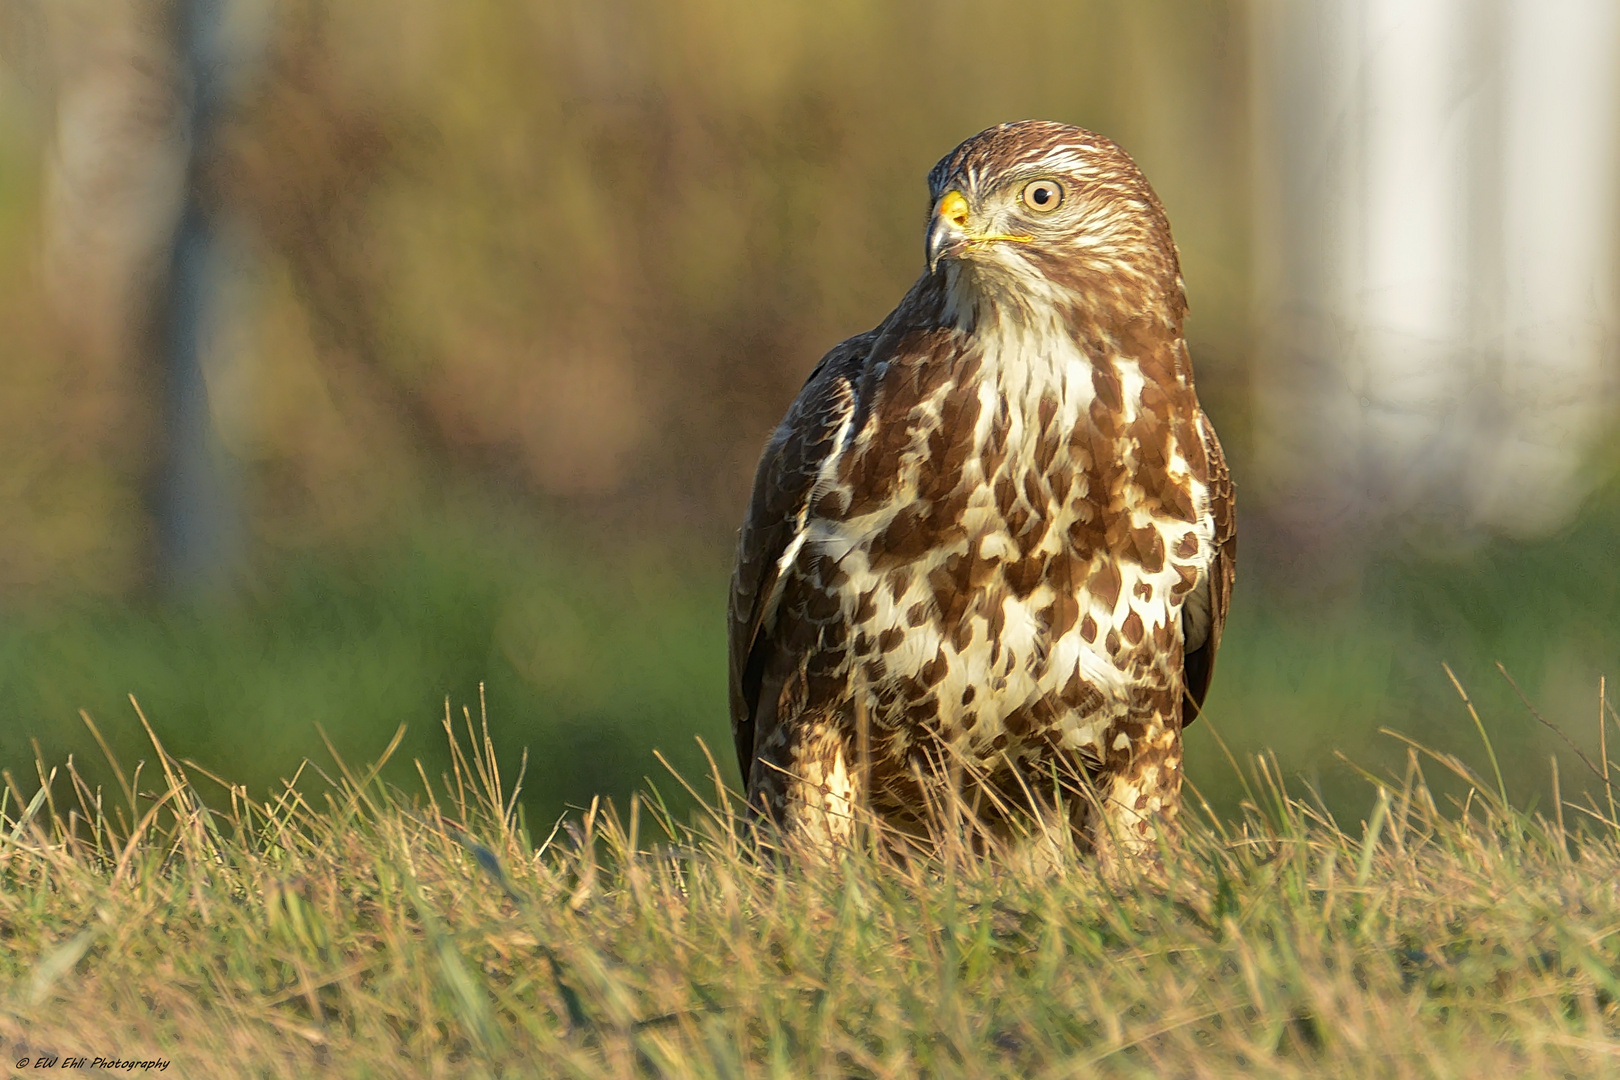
1041,213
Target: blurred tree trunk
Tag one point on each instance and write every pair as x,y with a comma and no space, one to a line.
132,259
197,510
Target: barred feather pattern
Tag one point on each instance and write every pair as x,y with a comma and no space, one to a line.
996,529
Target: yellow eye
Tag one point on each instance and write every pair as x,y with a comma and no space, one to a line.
1042,196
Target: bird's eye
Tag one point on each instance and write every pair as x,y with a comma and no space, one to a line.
1042,195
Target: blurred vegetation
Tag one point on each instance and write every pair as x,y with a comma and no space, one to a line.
587,663
530,282
586,251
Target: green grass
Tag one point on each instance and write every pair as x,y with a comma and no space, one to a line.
380,933
590,658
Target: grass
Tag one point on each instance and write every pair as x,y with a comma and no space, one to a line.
437,933
589,660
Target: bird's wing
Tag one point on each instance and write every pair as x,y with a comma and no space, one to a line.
1205,614
775,525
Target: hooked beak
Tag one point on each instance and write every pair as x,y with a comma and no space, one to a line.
949,234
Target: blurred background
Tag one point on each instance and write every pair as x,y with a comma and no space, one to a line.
355,356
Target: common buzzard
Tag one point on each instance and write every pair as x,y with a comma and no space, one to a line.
993,538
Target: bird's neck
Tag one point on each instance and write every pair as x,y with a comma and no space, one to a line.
996,307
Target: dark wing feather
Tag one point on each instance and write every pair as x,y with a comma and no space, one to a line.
783,487
1204,626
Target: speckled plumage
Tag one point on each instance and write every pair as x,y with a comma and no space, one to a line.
997,529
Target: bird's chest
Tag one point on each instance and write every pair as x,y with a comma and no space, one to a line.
1021,539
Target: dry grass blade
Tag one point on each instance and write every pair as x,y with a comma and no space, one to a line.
1479,726
1554,728
1603,744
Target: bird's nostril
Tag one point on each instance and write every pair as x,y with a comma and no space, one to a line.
953,208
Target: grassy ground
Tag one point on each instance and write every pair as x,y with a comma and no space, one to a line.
431,934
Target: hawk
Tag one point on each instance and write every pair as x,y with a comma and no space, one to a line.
997,530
